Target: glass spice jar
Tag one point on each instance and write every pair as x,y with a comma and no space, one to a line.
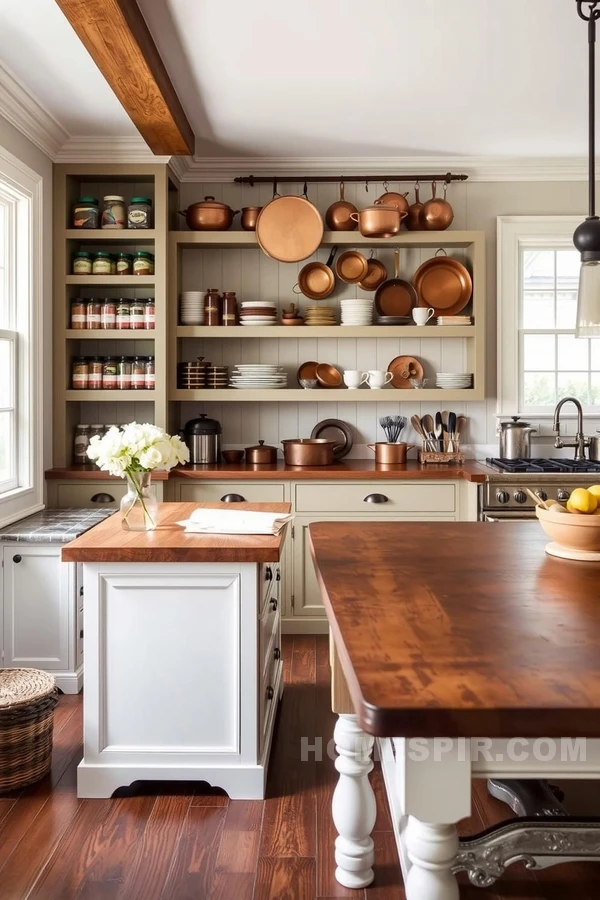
124,374
86,213
81,441
230,308
139,213
96,370
109,373
94,314
82,263
125,264
143,263
150,379
80,374
212,307
102,263
150,314
113,212
78,314
136,315
123,307
108,314
138,373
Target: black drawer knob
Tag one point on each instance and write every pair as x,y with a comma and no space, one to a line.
17,558
270,693
278,576
102,498
233,498
273,604
268,574
277,653
376,498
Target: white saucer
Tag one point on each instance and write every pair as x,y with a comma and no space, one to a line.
554,549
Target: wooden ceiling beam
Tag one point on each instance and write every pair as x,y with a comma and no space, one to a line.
119,41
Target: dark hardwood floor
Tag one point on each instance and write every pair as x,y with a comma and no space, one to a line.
187,842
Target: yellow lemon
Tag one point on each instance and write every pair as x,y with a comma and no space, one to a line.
582,501
571,508
595,490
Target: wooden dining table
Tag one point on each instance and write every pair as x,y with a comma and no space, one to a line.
466,652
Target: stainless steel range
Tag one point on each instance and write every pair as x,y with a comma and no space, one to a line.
503,497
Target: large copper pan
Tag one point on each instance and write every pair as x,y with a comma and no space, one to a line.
436,214
443,284
395,297
289,229
316,279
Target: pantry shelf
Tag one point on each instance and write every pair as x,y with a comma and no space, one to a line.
111,280
232,240
333,395
108,396
326,331
105,334
123,236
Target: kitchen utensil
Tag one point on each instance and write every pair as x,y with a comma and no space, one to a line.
289,228
316,279
415,421
388,454
595,449
337,217
403,368
461,421
393,427
351,266
378,221
261,454
428,428
342,436
515,439
439,430
570,530
376,378
444,284
209,215
395,297
451,431
352,379
202,437
414,211
233,456
308,452
307,371
308,383
250,216
422,315
328,376
392,198
376,274
436,214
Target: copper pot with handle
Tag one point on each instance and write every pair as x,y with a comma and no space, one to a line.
393,198
388,454
249,217
413,222
209,215
437,214
379,221
337,217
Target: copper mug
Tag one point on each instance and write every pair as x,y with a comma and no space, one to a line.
388,454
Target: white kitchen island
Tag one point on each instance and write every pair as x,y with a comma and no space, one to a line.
182,659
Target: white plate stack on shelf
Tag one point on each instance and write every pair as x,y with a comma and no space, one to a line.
191,308
357,311
258,312
454,320
258,377
453,381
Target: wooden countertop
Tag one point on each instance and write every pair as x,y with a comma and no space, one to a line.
109,542
461,629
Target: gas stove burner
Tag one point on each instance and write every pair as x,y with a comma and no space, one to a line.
519,466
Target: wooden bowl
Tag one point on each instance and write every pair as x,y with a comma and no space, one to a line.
233,456
328,376
577,532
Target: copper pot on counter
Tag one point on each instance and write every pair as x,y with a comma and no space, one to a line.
249,217
261,454
209,215
379,221
388,454
308,452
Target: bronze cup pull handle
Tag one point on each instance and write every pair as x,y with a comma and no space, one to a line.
376,498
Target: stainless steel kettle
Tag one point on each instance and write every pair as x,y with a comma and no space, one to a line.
515,439
203,439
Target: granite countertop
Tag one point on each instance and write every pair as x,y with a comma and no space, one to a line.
54,526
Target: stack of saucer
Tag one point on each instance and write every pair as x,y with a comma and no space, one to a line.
320,315
258,312
192,375
258,377
191,308
454,320
357,312
216,377
453,380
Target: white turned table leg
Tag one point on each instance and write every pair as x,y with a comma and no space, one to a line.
353,808
432,852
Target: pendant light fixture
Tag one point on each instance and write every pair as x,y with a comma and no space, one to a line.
587,235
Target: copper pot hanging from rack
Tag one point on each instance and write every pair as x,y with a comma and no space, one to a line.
436,214
337,217
414,211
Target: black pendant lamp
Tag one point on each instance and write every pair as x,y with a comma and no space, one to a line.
587,235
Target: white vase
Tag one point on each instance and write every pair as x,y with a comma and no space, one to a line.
139,506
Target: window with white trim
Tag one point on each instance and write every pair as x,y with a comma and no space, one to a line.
539,358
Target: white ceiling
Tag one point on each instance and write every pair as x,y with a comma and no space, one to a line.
334,78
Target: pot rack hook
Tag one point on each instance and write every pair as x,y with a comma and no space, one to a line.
275,194
367,186
386,185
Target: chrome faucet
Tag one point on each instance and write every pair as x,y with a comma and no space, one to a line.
580,442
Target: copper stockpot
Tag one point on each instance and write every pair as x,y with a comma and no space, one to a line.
414,211
390,454
337,217
379,221
437,214
261,454
308,452
249,217
209,215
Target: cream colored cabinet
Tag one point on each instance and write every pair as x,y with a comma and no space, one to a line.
90,494
213,491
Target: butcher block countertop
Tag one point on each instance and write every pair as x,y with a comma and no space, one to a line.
168,543
461,629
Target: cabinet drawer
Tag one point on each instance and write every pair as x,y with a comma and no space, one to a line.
439,497
252,491
90,494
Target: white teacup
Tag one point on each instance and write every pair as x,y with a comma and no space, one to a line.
376,378
422,315
352,379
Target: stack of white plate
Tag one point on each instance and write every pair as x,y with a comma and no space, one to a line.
191,308
454,320
357,312
453,380
258,377
258,312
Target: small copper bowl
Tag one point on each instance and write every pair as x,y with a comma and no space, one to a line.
232,456
328,376
249,217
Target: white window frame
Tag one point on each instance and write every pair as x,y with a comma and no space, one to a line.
515,234
22,188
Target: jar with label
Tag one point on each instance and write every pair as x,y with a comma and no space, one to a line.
80,374
81,442
102,263
123,307
150,314
108,315
94,314
124,374
230,308
136,315
82,263
150,379
79,313
212,307
109,373
138,373
125,264
143,263
95,377
113,211
139,213
86,213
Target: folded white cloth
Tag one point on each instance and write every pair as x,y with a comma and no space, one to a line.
234,521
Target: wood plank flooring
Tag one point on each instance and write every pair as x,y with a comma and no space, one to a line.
189,842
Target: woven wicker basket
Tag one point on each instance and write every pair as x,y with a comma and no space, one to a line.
27,701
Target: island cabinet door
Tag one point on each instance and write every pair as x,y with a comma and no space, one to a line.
39,607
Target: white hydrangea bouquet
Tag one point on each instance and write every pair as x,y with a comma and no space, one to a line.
133,452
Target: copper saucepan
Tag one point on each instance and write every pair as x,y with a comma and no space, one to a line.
209,215
308,452
437,214
388,454
379,221
316,279
337,217
376,274
249,217
413,222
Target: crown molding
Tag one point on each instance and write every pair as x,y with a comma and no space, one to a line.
105,148
19,107
180,166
